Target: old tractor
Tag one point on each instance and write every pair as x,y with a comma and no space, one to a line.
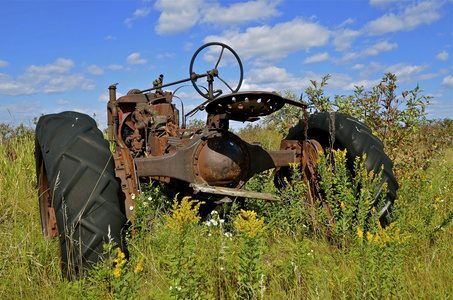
86,192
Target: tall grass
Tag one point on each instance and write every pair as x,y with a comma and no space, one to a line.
220,258
29,265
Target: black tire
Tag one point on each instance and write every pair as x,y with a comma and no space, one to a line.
85,193
357,138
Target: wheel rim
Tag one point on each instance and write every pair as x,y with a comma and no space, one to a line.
48,220
311,150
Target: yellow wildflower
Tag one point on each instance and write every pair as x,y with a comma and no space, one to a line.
369,236
117,272
384,236
119,262
247,223
139,267
359,233
183,214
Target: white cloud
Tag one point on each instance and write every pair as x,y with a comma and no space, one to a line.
385,3
358,67
115,67
24,110
187,46
372,69
50,78
60,66
177,15
240,13
439,109
370,51
365,83
138,14
9,86
443,56
344,38
134,59
427,76
267,43
346,22
4,64
60,84
63,102
273,79
180,15
317,58
447,82
141,12
278,79
404,72
269,75
413,16
105,97
166,55
94,70
378,48
338,81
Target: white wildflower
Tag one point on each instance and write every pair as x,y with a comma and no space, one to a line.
131,208
228,235
133,196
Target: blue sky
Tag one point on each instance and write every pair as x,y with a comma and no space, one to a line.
63,55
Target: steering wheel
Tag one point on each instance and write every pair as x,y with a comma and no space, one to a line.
211,74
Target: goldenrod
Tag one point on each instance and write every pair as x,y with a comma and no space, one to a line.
248,223
120,261
139,267
183,214
359,233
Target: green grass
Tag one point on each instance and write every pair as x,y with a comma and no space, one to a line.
411,260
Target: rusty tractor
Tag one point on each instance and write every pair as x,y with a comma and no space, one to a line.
86,192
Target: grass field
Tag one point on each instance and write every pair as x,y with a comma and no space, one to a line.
266,251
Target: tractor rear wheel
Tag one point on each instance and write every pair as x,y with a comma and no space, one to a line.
78,192
340,131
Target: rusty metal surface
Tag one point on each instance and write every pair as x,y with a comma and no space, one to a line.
222,159
310,156
124,170
212,158
48,220
176,165
246,106
153,146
